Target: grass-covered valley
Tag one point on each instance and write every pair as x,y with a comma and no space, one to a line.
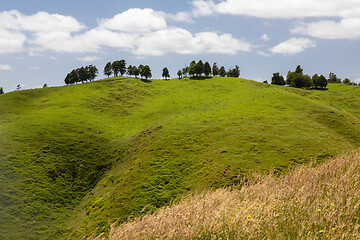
75,159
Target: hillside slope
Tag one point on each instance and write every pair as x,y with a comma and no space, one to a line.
154,141
319,202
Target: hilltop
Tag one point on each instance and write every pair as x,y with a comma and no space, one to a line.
76,158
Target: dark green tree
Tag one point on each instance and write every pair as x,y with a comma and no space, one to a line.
207,69
233,72
316,80
92,72
179,73
299,69
165,73
222,71
122,67
199,68
215,70
346,81
277,79
136,71
130,70
115,67
18,87
83,74
1,90
333,78
322,82
192,68
146,72
108,69
45,85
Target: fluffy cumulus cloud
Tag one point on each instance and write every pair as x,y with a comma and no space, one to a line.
293,46
11,41
135,20
348,11
181,41
141,31
345,29
279,8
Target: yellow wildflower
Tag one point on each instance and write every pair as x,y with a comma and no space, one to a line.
321,231
319,210
248,216
332,204
333,228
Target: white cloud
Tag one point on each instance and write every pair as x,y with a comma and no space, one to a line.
203,8
88,59
135,20
265,37
5,67
180,17
279,8
293,46
178,40
144,32
345,29
11,41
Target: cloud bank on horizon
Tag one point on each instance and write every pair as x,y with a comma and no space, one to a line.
146,32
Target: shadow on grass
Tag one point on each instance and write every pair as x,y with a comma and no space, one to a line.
321,89
145,80
200,77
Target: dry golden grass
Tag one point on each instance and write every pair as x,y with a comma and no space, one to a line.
320,202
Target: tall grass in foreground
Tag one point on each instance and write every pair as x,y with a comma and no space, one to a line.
310,202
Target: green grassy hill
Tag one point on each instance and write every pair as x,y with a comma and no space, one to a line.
74,159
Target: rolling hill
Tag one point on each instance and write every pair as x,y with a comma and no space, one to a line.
74,159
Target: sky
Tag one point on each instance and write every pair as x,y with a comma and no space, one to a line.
42,40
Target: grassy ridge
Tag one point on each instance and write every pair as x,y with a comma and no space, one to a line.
155,141
309,202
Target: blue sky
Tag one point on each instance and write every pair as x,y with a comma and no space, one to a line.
42,40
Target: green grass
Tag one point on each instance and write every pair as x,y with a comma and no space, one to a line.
75,158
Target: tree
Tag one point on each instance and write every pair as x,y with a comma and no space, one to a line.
179,73
165,73
92,72
207,69
265,82
346,81
83,74
130,70
322,81
1,90
316,80
215,70
299,69
136,71
108,69
222,71
115,66
199,68
192,68
146,72
233,72
122,67
333,78
277,79
45,85
18,87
